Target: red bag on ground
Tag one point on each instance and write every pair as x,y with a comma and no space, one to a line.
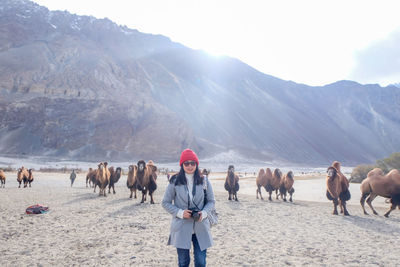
36,209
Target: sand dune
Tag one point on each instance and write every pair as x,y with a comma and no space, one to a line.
84,229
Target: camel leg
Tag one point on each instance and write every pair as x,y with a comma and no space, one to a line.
259,190
135,194
276,193
392,207
371,197
113,190
270,195
284,197
343,206
131,194
335,204
235,194
109,188
257,193
143,197
95,185
362,202
151,198
229,198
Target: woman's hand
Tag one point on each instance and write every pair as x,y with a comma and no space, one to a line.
187,214
201,216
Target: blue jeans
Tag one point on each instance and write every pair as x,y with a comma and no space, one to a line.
199,256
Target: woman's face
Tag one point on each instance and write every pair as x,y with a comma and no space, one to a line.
189,166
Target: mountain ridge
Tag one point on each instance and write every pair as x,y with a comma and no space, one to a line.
95,90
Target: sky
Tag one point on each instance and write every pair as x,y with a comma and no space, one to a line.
315,42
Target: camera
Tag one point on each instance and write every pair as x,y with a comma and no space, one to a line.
195,214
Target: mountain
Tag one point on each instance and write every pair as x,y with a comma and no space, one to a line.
87,89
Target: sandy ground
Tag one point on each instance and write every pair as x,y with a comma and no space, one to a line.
83,229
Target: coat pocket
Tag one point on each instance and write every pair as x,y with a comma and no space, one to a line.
176,224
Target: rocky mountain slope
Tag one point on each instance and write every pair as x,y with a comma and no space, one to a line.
85,88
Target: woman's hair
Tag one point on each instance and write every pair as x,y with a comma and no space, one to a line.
180,178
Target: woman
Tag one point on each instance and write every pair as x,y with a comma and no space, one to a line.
184,200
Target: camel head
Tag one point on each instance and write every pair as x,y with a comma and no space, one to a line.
290,175
100,166
336,165
141,165
30,171
278,173
105,164
130,168
231,169
118,170
331,172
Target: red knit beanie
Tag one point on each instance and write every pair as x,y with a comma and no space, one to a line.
188,154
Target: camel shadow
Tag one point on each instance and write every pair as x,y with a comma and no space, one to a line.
81,198
131,209
374,223
118,200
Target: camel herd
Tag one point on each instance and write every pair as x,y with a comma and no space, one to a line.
24,175
143,177
275,181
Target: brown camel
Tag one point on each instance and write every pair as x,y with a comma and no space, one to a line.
146,179
30,177
22,176
261,181
114,177
337,191
91,177
287,186
2,178
273,182
232,183
102,178
131,181
378,184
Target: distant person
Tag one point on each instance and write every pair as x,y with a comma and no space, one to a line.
72,177
168,176
184,200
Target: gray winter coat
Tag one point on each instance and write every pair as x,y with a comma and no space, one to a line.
176,197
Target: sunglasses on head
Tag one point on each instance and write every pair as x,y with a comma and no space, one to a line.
187,163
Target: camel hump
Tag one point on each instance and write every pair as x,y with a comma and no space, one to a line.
261,172
376,172
394,172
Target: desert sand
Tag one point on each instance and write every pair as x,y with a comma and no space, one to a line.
83,229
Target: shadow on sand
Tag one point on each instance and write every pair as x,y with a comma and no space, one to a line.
83,197
375,223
